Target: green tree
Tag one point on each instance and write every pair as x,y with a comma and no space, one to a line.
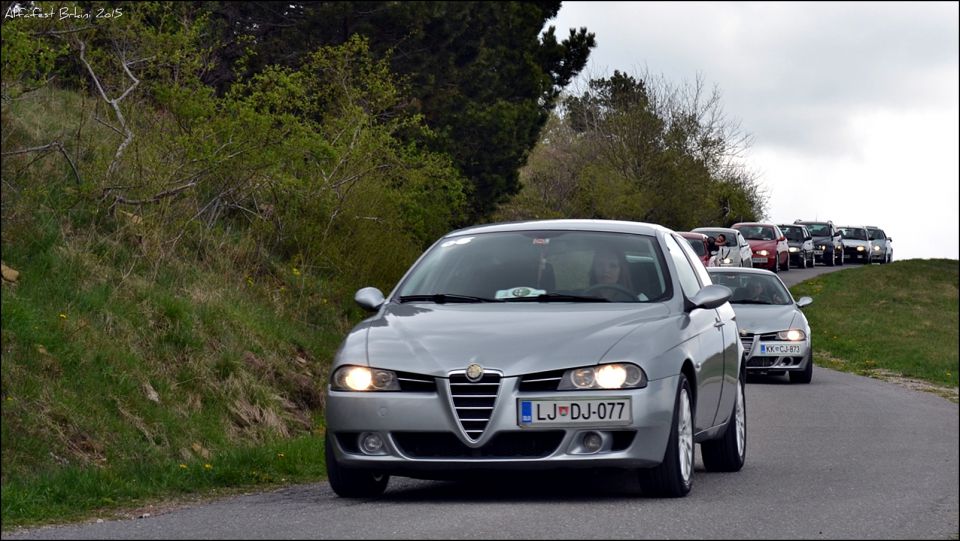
484,75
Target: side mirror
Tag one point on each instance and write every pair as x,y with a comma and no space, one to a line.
711,296
890,239
807,238
782,238
804,301
369,298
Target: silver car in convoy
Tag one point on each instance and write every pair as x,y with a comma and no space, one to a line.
546,344
857,245
882,245
772,326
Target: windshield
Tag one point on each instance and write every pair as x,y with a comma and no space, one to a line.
854,233
753,288
792,232
876,234
757,232
540,266
697,246
819,230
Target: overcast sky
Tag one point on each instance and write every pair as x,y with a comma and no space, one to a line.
853,107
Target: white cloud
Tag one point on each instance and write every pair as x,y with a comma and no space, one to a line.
853,106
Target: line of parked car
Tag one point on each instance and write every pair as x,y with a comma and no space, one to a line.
802,244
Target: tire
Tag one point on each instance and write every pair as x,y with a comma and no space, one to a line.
833,258
786,266
803,260
813,261
776,263
350,482
728,452
841,257
673,478
806,375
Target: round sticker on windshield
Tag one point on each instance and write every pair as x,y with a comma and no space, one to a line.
517,292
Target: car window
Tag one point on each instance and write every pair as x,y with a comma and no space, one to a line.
697,246
819,230
619,267
753,288
793,233
685,272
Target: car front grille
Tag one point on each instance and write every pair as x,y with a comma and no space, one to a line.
410,382
526,444
541,381
474,402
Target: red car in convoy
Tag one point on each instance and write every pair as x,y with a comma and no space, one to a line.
769,245
700,244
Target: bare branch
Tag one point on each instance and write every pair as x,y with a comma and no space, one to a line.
115,103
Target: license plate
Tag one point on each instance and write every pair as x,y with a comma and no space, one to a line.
607,411
776,349
818,252
759,260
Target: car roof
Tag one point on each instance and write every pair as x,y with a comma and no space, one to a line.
615,226
725,230
769,224
692,235
851,227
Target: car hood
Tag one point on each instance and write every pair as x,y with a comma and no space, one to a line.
766,318
757,245
516,338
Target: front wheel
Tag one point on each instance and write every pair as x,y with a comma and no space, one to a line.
673,478
805,375
729,451
786,266
833,258
352,483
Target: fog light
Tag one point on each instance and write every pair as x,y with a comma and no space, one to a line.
592,442
371,444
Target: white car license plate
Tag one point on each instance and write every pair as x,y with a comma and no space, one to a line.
606,411
759,260
776,349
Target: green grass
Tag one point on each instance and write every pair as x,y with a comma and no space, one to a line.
112,378
900,318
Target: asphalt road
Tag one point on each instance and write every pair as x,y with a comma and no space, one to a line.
842,457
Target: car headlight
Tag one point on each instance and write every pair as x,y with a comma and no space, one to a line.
822,247
763,253
727,260
876,248
859,248
793,335
604,376
361,378
794,249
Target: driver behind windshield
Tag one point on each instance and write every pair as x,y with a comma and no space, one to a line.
609,268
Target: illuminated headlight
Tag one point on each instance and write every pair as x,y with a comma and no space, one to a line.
361,378
792,335
794,249
859,248
605,376
763,253
727,260
876,248
823,247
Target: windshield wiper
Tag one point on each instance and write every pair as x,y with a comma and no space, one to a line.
441,298
556,297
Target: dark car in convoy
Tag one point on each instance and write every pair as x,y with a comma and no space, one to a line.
827,246
882,247
800,244
700,244
770,250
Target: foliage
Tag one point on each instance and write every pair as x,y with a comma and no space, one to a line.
484,75
640,149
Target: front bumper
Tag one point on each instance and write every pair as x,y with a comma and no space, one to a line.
762,364
422,433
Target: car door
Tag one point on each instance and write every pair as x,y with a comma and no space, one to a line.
707,326
782,246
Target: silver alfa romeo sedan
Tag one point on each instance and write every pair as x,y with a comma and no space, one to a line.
533,345
774,331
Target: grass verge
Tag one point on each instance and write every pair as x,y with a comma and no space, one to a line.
888,321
